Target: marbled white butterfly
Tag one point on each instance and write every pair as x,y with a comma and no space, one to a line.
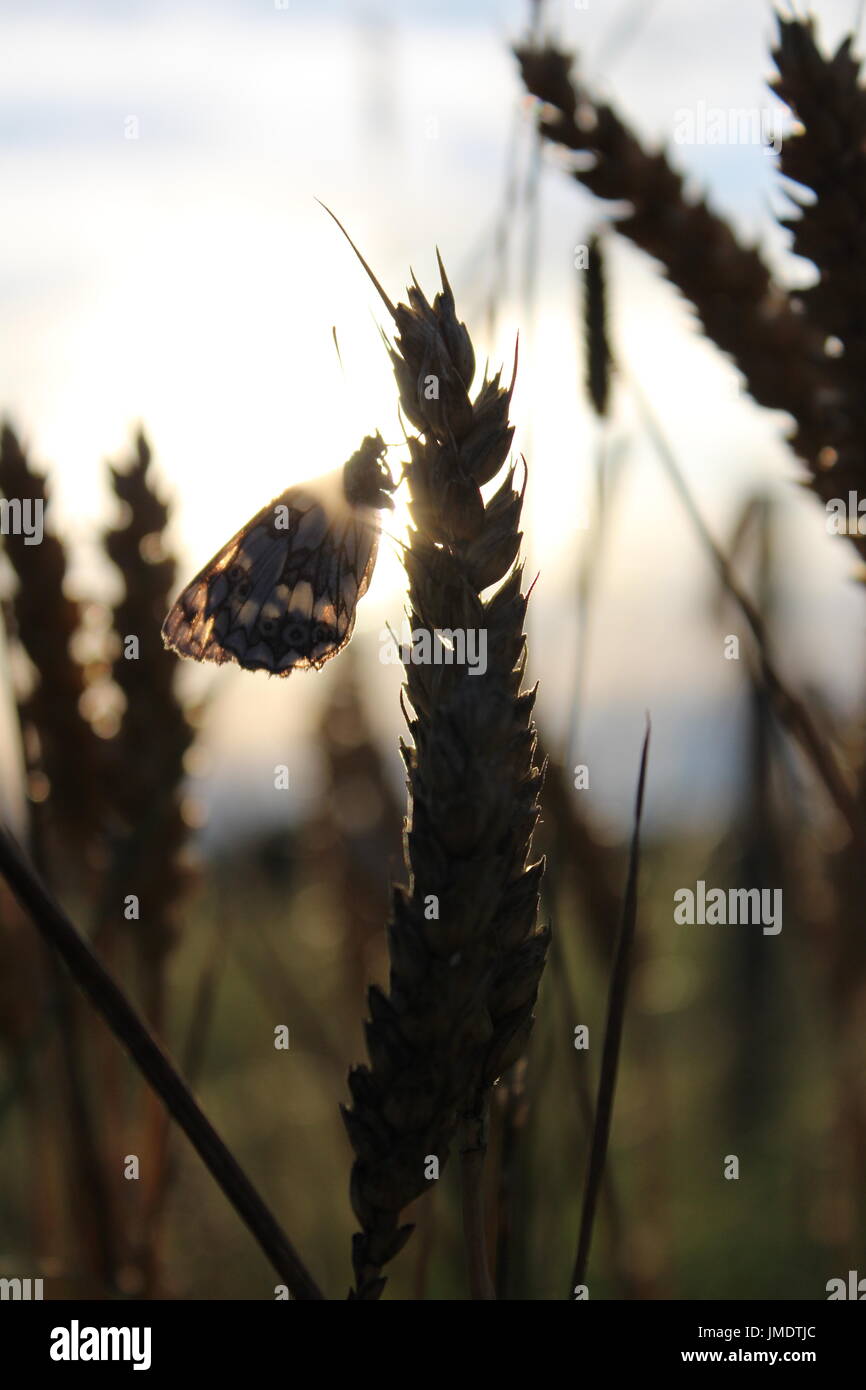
281,595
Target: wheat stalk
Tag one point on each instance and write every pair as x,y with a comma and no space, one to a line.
465,972
148,833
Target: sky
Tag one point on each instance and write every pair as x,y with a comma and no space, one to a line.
163,260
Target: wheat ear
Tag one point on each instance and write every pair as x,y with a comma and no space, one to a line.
826,153
466,957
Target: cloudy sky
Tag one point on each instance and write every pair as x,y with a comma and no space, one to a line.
163,259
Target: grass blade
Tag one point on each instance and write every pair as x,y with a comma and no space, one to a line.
612,1037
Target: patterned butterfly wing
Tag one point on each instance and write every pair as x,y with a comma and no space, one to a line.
282,594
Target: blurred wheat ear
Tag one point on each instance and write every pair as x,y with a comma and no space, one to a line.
466,957
778,341
826,154
63,760
154,734
62,754
148,831
595,319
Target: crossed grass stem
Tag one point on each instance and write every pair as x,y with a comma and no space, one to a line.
115,1009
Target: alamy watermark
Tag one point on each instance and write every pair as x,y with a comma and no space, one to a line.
77,1343
851,1288
439,646
704,906
847,518
727,125
22,517
21,1290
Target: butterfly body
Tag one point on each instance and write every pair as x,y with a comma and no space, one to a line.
281,595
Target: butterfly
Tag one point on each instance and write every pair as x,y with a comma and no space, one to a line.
281,596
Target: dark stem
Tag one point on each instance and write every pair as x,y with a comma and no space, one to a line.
124,1022
583,1100
612,1037
473,1151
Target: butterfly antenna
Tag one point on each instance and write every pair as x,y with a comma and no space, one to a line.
382,295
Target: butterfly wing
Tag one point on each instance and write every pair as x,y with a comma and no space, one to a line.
282,594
